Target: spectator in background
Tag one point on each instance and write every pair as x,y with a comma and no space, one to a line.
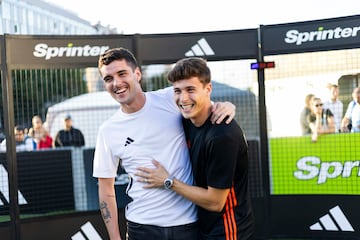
335,106
69,136
305,128
321,121
351,120
22,141
40,134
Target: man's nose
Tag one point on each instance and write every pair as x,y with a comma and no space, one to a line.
116,81
184,96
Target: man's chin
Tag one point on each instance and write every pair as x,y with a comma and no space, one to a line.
186,115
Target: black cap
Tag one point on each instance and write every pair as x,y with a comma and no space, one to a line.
67,117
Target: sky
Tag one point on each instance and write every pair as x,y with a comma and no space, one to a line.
166,16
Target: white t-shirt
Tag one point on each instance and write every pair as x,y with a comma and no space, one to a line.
154,132
337,109
353,113
26,145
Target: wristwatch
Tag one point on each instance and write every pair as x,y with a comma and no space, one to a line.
168,182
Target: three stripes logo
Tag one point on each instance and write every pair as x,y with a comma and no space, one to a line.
87,232
201,48
334,221
4,188
128,141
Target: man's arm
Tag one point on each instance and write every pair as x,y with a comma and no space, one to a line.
344,124
331,125
81,138
108,207
57,141
3,146
212,199
221,110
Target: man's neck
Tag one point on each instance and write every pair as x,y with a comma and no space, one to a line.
202,116
135,105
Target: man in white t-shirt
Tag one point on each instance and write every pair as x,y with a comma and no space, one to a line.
147,126
351,120
335,106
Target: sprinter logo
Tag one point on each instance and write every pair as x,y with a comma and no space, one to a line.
294,36
42,50
311,167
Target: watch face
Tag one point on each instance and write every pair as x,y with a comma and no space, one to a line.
168,183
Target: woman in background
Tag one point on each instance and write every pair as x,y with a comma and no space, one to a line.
40,135
321,121
305,128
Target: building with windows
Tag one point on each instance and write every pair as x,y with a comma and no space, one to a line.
40,17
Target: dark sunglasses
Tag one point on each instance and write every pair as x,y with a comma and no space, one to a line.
319,105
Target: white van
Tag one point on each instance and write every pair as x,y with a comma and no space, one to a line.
88,111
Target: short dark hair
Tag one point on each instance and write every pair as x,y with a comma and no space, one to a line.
19,128
113,54
190,67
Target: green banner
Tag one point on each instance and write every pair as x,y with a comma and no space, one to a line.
329,166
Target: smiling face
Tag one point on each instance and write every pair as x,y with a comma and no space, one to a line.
193,99
334,92
37,122
317,106
19,135
122,82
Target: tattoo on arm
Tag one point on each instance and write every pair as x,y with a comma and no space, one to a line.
105,211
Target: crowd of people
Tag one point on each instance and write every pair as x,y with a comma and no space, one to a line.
320,117
37,137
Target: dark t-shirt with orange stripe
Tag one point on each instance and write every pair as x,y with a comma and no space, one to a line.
219,156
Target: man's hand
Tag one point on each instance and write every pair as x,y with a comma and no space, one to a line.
152,177
221,110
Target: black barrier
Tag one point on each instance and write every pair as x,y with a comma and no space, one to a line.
45,181
315,216
121,183
43,51
80,225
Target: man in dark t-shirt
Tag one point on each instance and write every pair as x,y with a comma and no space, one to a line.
69,136
219,156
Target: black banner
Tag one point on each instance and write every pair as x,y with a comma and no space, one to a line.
315,216
224,45
327,34
83,51
61,51
45,182
121,182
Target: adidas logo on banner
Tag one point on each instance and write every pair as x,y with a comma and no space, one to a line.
201,48
333,221
87,232
4,187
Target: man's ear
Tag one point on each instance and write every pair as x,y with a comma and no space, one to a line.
209,88
138,74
